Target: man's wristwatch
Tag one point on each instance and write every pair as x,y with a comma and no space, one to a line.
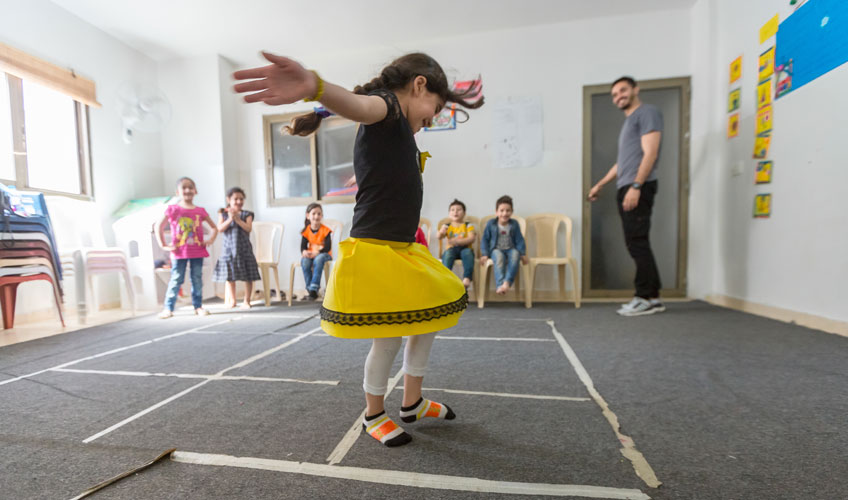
636,185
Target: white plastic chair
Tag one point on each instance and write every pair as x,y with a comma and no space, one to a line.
484,270
545,228
268,248
336,226
76,224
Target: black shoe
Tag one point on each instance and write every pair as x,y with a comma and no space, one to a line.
313,294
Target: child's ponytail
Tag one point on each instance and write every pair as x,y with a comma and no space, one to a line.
395,76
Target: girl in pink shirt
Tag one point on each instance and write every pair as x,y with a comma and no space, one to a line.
187,246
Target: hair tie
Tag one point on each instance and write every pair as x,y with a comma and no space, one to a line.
322,112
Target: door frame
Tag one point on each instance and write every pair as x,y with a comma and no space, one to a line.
684,84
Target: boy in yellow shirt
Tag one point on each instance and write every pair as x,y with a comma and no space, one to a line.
460,241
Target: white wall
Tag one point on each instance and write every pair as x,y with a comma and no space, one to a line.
553,62
192,144
798,258
120,171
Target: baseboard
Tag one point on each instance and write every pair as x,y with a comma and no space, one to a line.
785,315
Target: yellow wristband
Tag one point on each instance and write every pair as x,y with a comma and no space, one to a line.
320,92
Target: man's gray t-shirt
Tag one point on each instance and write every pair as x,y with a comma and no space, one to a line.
647,118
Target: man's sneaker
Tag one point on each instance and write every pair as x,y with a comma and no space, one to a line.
628,306
657,305
637,307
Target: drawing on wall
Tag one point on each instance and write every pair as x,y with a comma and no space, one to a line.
736,69
762,206
766,64
764,94
763,174
764,119
811,42
761,147
733,100
445,120
783,78
733,125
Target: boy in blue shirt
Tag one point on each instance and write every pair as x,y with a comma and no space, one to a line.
503,242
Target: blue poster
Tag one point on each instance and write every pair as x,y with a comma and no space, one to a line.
811,42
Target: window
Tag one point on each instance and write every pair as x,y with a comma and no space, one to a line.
301,170
7,150
43,134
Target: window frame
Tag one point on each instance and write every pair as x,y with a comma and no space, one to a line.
268,121
19,144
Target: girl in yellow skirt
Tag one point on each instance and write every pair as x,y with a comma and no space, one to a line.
384,286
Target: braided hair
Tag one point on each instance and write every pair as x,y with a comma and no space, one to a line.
396,76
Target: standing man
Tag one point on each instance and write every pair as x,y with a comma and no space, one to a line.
636,181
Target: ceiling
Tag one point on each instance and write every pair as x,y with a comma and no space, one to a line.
237,30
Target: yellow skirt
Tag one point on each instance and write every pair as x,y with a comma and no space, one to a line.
381,288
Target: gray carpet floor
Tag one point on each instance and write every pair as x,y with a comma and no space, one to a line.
721,404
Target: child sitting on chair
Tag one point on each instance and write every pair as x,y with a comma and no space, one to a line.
504,243
460,240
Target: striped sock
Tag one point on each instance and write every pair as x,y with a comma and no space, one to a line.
384,430
426,408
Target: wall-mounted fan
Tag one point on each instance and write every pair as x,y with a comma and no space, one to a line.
143,108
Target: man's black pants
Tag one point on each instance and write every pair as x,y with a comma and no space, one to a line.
637,225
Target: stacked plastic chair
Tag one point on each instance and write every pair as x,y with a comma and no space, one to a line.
27,249
83,246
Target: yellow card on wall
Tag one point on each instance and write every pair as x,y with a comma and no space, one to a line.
761,147
733,125
764,94
762,205
770,28
733,100
766,64
764,118
763,175
736,69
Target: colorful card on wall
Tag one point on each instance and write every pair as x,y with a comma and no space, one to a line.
733,125
445,120
764,94
761,147
763,175
736,69
733,100
762,206
783,78
766,64
769,29
764,119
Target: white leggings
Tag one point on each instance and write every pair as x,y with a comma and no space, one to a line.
378,364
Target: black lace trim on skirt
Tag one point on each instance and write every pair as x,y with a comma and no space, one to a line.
395,318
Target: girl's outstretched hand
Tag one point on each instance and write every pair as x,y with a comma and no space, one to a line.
284,81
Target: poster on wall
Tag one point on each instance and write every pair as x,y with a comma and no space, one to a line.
517,132
762,206
736,69
733,125
766,64
733,100
764,94
763,174
764,119
761,147
810,43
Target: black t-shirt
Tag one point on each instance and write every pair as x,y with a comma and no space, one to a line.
386,164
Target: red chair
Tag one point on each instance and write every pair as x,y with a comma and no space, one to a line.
9,292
